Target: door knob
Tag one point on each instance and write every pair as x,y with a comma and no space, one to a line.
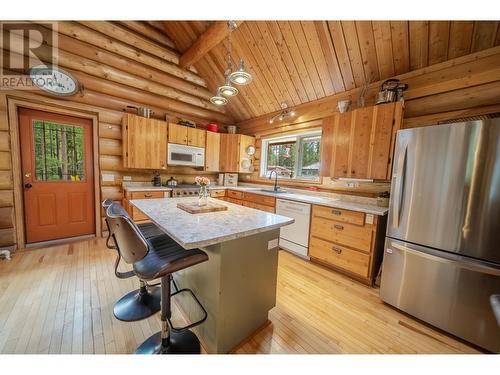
28,185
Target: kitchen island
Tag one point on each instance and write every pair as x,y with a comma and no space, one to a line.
237,286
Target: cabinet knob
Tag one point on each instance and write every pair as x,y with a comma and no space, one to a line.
339,227
336,212
148,195
338,250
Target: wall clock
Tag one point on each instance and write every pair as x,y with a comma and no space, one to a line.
54,80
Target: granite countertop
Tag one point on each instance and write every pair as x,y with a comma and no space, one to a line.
200,230
330,200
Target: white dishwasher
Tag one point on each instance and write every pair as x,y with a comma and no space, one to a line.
295,237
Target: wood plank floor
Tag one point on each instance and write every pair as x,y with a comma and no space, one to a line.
60,300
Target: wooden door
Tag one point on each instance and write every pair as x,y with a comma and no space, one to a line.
58,177
177,134
359,148
196,137
212,151
341,144
144,142
229,152
382,132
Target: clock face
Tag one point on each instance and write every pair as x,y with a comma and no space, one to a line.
54,80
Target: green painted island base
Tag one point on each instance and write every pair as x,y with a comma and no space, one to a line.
237,287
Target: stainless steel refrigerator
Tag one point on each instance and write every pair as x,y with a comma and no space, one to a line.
442,250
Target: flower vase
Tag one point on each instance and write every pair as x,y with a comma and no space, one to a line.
203,196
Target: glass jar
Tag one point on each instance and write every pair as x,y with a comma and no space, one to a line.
203,196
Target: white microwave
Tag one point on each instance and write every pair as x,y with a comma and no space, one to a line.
185,155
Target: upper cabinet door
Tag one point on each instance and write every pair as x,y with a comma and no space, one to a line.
360,143
196,137
212,152
359,150
144,142
229,152
177,134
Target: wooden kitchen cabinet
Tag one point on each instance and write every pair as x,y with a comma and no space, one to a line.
233,155
347,241
360,143
144,142
212,152
134,213
184,135
252,200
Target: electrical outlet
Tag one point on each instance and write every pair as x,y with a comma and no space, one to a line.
127,178
108,177
272,244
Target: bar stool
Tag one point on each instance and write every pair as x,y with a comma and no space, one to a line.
158,258
143,302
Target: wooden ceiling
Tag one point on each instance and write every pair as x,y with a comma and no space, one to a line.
301,61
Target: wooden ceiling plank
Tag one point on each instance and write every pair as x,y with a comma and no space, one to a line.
263,92
352,42
278,39
439,35
175,30
301,41
273,52
150,32
368,51
314,43
460,38
261,54
383,48
215,34
484,35
337,36
330,55
297,58
400,46
419,44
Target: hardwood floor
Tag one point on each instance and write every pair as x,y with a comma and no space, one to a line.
60,299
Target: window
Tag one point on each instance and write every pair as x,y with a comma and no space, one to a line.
293,157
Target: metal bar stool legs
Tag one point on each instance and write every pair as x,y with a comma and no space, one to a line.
171,340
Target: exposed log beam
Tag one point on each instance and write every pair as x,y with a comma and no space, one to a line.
215,33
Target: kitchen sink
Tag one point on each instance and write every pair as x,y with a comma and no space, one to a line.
272,191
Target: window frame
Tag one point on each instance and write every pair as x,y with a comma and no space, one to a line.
285,138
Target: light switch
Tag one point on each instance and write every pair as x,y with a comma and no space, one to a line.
369,219
108,177
127,178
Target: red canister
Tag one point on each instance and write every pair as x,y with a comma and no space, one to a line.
213,128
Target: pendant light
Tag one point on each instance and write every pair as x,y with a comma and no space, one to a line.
218,99
227,89
241,76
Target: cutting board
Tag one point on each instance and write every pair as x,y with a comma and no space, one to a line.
193,208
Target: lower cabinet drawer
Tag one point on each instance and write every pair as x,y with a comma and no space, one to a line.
234,194
345,234
339,256
257,206
235,201
260,199
338,214
147,194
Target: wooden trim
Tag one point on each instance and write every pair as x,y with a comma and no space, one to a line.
13,103
215,34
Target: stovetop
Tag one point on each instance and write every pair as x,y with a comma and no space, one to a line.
186,186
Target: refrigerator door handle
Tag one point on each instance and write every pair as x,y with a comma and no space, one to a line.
444,257
398,180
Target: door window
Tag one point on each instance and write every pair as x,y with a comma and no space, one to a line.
59,151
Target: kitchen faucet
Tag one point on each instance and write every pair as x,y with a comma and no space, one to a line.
276,187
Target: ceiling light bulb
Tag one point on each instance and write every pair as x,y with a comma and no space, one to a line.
227,89
218,99
240,77
292,113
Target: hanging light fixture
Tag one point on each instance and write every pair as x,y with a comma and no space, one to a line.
227,89
241,76
285,113
218,99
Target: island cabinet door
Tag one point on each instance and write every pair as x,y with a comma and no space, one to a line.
144,142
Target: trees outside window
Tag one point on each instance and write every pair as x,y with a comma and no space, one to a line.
293,157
